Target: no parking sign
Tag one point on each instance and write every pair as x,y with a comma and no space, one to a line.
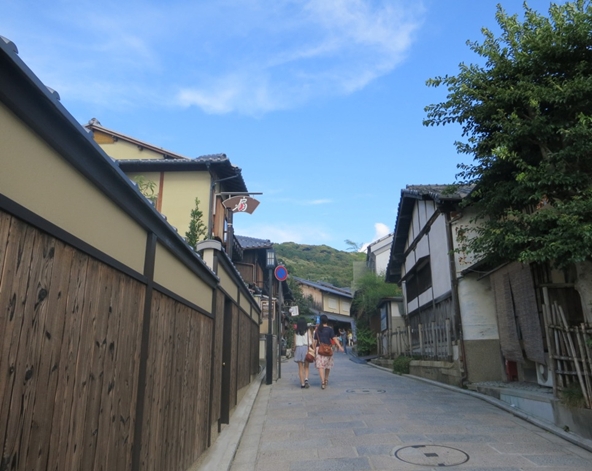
281,273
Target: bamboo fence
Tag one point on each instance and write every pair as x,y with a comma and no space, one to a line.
570,351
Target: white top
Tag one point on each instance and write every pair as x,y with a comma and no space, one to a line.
302,340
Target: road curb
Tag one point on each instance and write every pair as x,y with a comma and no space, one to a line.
220,455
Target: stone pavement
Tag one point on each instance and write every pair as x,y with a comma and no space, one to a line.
371,419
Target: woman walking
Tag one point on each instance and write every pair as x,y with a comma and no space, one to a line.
302,339
324,339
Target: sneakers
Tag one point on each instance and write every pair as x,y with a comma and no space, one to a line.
306,385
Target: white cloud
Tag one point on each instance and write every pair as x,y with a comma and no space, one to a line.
245,56
381,230
327,48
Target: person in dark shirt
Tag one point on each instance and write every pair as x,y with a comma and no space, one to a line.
325,335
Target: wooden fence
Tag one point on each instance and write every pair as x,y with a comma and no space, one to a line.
72,395
570,351
432,341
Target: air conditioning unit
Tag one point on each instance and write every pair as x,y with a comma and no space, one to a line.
544,374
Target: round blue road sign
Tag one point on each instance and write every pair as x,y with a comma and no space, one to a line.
281,273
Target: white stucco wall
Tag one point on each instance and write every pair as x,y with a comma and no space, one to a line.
477,309
434,244
439,261
380,250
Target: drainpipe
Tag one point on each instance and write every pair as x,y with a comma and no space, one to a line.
455,303
212,204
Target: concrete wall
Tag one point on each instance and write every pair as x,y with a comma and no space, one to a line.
483,360
441,371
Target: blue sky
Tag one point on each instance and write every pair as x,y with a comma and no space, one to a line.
320,102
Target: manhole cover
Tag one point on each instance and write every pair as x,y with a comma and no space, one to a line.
366,391
431,455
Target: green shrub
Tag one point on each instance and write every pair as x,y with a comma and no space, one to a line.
365,340
401,365
572,396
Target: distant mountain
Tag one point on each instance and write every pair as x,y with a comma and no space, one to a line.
319,262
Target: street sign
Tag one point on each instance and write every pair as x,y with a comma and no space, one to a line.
281,273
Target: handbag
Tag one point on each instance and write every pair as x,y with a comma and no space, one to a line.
310,355
325,350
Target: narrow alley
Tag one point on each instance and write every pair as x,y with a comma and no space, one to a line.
371,419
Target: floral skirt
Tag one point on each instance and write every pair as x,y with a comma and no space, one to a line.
323,362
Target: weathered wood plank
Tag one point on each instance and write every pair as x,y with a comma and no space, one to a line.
150,429
83,369
39,282
7,309
103,437
74,294
19,333
51,334
127,355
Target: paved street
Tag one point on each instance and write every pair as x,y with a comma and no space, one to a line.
370,419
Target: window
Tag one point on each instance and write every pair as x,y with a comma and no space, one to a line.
419,279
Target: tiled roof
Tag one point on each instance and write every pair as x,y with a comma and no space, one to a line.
438,193
173,162
218,163
253,243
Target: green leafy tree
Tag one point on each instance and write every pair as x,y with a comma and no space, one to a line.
352,246
304,303
146,187
365,339
370,289
197,229
319,262
526,115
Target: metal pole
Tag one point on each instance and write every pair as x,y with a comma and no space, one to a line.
269,362
280,327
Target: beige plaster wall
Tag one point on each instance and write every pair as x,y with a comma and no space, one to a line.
344,307
331,304
175,276
122,150
227,283
317,297
246,305
335,304
179,190
38,178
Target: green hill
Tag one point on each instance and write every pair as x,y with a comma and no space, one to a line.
319,262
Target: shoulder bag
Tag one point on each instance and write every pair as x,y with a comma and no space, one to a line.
311,354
